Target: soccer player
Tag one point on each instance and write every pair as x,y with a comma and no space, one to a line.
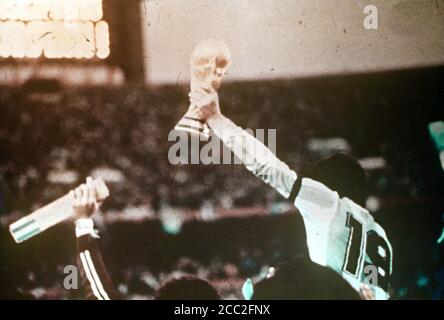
341,233
96,283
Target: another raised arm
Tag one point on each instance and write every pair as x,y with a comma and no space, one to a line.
96,283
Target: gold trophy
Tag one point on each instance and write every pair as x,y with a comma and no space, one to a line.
209,63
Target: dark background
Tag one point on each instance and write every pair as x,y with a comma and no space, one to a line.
126,129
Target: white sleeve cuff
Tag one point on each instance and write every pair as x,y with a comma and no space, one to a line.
85,226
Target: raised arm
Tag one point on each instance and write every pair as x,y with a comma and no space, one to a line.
96,283
255,156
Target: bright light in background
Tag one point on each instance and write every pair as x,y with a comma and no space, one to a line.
53,28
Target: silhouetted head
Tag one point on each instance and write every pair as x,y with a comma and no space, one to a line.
304,280
344,175
187,288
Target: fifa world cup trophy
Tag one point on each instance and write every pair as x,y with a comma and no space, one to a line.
209,63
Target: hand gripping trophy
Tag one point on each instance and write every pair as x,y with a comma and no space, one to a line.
209,63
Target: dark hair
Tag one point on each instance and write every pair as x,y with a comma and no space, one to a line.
302,279
187,288
344,175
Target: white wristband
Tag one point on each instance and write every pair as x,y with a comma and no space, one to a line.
85,226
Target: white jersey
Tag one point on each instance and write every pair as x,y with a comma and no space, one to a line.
344,237
341,235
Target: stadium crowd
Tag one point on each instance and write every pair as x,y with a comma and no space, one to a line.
51,140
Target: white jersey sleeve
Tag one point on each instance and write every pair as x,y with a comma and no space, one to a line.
255,156
340,234
344,237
